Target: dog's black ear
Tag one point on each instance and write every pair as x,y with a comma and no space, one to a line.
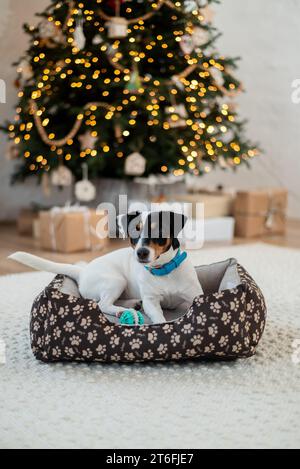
177,223
123,223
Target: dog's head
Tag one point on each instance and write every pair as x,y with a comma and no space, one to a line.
152,234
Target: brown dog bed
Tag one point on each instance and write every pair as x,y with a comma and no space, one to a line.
227,321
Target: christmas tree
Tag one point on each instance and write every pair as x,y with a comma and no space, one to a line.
129,87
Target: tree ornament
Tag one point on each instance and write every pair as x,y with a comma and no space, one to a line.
117,27
50,34
79,37
222,162
208,14
118,132
97,40
135,164
177,82
46,184
62,177
87,141
134,83
85,190
217,76
25,70
177,117
191,5
200,36
187,44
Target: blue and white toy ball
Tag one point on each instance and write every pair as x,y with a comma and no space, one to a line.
131,317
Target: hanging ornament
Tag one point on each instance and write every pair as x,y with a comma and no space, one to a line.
227,137
134,83
191,5
117,26
50,34
12,152
87,141
61,177
217,76
177,117
200,36
187,44
177,82
25,70
232,107
208,14
17,83
135,164
46,185
85,190
118,132
222,162
97,40
79,37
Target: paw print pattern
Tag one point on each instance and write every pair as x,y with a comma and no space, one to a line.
221,324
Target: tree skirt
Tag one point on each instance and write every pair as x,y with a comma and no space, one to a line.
247,403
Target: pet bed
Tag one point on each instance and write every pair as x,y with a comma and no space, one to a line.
227,321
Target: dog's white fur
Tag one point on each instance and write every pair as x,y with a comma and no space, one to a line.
119,275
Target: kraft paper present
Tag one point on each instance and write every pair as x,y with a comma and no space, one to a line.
260,212
215,205
71,231
26,220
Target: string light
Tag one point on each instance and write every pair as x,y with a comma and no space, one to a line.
87,71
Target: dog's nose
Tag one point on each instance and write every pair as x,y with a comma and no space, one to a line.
142,254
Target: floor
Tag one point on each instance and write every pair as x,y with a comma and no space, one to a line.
252,403
10,241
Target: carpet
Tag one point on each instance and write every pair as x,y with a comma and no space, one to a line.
252,403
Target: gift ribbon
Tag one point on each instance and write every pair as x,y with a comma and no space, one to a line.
268,215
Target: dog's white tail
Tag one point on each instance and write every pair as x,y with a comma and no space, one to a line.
38,263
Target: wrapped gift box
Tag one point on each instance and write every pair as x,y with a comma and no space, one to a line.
260,212
25,221
69,230
215,205
198,232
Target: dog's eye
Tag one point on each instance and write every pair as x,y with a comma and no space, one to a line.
138,227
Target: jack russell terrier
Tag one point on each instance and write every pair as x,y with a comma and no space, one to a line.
154,271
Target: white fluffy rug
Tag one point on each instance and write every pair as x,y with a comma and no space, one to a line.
248,403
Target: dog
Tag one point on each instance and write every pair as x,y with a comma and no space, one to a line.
153,269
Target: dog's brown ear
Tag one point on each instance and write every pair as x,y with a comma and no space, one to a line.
123,223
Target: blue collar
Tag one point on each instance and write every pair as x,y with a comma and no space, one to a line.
170,266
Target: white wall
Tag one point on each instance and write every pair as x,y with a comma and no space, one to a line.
13,43
264,33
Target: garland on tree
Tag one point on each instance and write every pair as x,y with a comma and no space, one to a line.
164,91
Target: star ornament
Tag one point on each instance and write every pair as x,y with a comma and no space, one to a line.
87,140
